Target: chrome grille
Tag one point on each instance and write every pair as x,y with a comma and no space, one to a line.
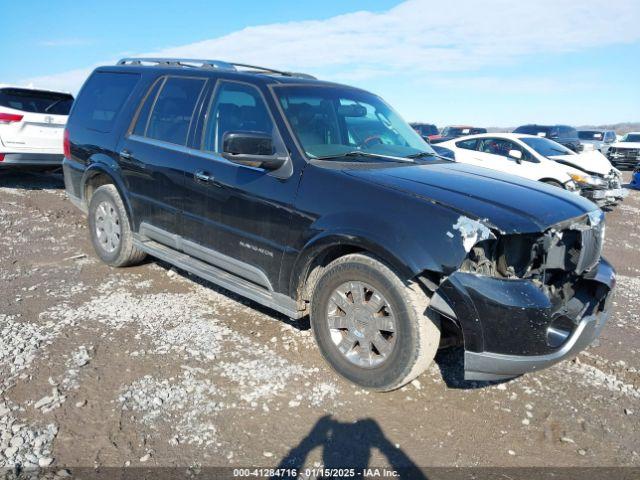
624,153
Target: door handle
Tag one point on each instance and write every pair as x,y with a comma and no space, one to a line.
203,177
126,154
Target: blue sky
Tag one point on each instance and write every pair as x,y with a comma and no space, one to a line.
500,64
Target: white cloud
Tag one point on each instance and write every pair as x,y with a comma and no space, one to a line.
415,37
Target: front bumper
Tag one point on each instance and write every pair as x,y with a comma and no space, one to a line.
506,323
606,196
623,160
13,160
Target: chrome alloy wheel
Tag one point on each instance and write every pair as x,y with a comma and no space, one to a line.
361,323
108,229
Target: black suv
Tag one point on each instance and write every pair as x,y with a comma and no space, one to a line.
316,198
563,134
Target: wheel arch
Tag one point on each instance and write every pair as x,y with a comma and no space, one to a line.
322,250
551,179
101,172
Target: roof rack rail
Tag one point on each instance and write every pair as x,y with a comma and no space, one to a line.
214,64
177,62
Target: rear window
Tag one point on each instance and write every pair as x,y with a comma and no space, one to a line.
102,98
567,132
590,135
538,130
36,101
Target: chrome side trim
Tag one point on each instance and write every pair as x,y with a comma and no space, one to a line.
213,257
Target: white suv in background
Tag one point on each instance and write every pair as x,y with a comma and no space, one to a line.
538,158
32,126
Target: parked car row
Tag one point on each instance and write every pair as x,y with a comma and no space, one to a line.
544,160
624,153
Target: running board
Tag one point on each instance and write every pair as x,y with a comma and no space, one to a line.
222,278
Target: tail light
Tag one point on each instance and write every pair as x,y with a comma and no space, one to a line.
66,145
1,157
10,117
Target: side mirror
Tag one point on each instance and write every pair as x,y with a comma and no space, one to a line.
516,155
254,149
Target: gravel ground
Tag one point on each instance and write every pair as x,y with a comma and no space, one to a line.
148,366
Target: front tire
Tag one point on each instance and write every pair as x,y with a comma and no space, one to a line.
371,327
110,229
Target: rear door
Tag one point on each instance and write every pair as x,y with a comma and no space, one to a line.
33,120
154,154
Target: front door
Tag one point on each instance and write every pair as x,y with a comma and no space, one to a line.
239,214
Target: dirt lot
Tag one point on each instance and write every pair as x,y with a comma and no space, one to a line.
150,366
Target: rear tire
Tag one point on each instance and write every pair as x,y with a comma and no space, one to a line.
110,229
371,327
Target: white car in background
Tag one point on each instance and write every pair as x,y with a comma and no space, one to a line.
538,158
626,151
32,127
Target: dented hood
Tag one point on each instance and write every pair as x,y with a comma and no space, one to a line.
591,161
510,204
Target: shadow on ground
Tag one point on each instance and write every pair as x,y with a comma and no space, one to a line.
349,446
31,180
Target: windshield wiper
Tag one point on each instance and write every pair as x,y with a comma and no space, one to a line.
360,153
429,154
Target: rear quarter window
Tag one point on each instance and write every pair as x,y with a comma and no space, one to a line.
467,144
102,98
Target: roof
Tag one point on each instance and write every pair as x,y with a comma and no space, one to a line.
206,68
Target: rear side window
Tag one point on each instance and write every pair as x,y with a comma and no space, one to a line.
467,144
102,98
36,101
143,114
173,110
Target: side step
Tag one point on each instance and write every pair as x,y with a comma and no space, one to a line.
222,278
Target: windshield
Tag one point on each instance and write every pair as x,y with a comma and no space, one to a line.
631,137
333,121
546,147
590,135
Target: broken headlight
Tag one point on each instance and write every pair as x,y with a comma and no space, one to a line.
586,180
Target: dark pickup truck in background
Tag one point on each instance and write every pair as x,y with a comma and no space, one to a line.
563,134
314,198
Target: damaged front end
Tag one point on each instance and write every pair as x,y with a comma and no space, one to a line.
526,301
602,190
